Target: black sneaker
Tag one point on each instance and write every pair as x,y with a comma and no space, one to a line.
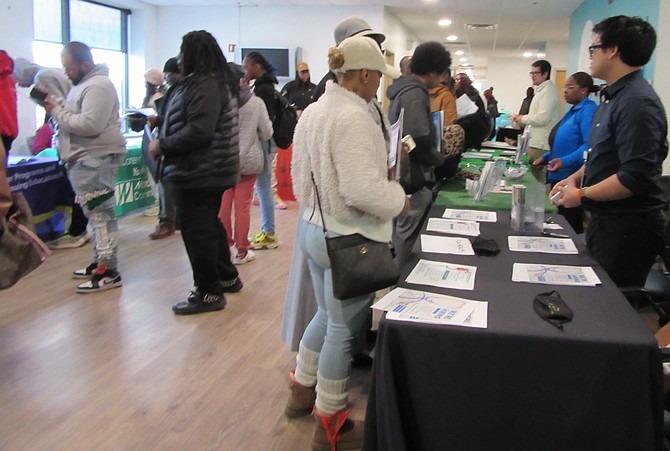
199,302
85,273
101,282
231,286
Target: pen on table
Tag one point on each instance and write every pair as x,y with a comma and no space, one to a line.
555,235
549,220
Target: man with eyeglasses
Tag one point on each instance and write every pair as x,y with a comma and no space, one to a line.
544,113
620,183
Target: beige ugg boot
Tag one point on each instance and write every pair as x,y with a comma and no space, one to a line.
302,398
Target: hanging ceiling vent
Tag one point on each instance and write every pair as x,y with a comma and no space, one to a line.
481,26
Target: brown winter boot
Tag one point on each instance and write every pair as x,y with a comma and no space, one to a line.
336,432
302,398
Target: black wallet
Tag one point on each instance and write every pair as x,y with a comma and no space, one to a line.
553,309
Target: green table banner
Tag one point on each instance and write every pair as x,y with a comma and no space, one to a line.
133,187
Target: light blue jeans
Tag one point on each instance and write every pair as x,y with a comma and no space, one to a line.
263,187
335,323
93,181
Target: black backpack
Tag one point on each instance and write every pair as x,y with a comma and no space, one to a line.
284,122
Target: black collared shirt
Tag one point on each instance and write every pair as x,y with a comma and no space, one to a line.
628,138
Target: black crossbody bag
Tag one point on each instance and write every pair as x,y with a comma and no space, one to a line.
359,265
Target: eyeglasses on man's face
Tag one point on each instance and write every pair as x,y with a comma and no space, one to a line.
592,48
534,72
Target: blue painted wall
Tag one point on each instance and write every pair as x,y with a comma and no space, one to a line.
597,10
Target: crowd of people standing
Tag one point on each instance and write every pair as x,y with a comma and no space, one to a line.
213,138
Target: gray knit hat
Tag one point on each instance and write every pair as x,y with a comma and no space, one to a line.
356,26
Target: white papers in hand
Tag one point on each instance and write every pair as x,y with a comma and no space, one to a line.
465,106
470,215
470,228
541,244
395,146
442,274
555,274
421,306
446,245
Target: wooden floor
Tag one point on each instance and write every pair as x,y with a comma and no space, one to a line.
118,370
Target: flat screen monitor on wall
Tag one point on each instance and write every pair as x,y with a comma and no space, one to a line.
282,58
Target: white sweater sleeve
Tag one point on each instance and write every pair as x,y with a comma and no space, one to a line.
359,159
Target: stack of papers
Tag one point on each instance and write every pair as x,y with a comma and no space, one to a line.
446,245
555,274
470,228
444,275
470,215
541,244
421,306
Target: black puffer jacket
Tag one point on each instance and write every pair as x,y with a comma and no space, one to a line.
201,139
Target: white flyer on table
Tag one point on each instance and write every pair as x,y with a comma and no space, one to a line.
446,245
470,228
425,305
541,244
442,274
552,226
470,215
555,274
477,318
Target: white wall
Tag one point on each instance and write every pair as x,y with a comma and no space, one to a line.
661,80
398,39
308,27
510,79
174,22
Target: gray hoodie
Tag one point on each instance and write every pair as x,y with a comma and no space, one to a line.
410,93
89,119
47,79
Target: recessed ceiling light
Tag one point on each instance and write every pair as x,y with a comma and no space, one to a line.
527,54
459,52
452,37
462,60
541,54
444,22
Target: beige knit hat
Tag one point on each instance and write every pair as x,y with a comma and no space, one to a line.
360,52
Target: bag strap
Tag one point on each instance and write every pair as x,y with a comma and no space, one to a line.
318,201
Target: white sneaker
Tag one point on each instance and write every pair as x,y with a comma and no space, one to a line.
241,260
101,282
233,253
68,241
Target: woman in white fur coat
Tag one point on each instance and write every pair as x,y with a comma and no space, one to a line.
339,142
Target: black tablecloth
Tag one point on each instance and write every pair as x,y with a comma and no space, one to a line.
520,384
